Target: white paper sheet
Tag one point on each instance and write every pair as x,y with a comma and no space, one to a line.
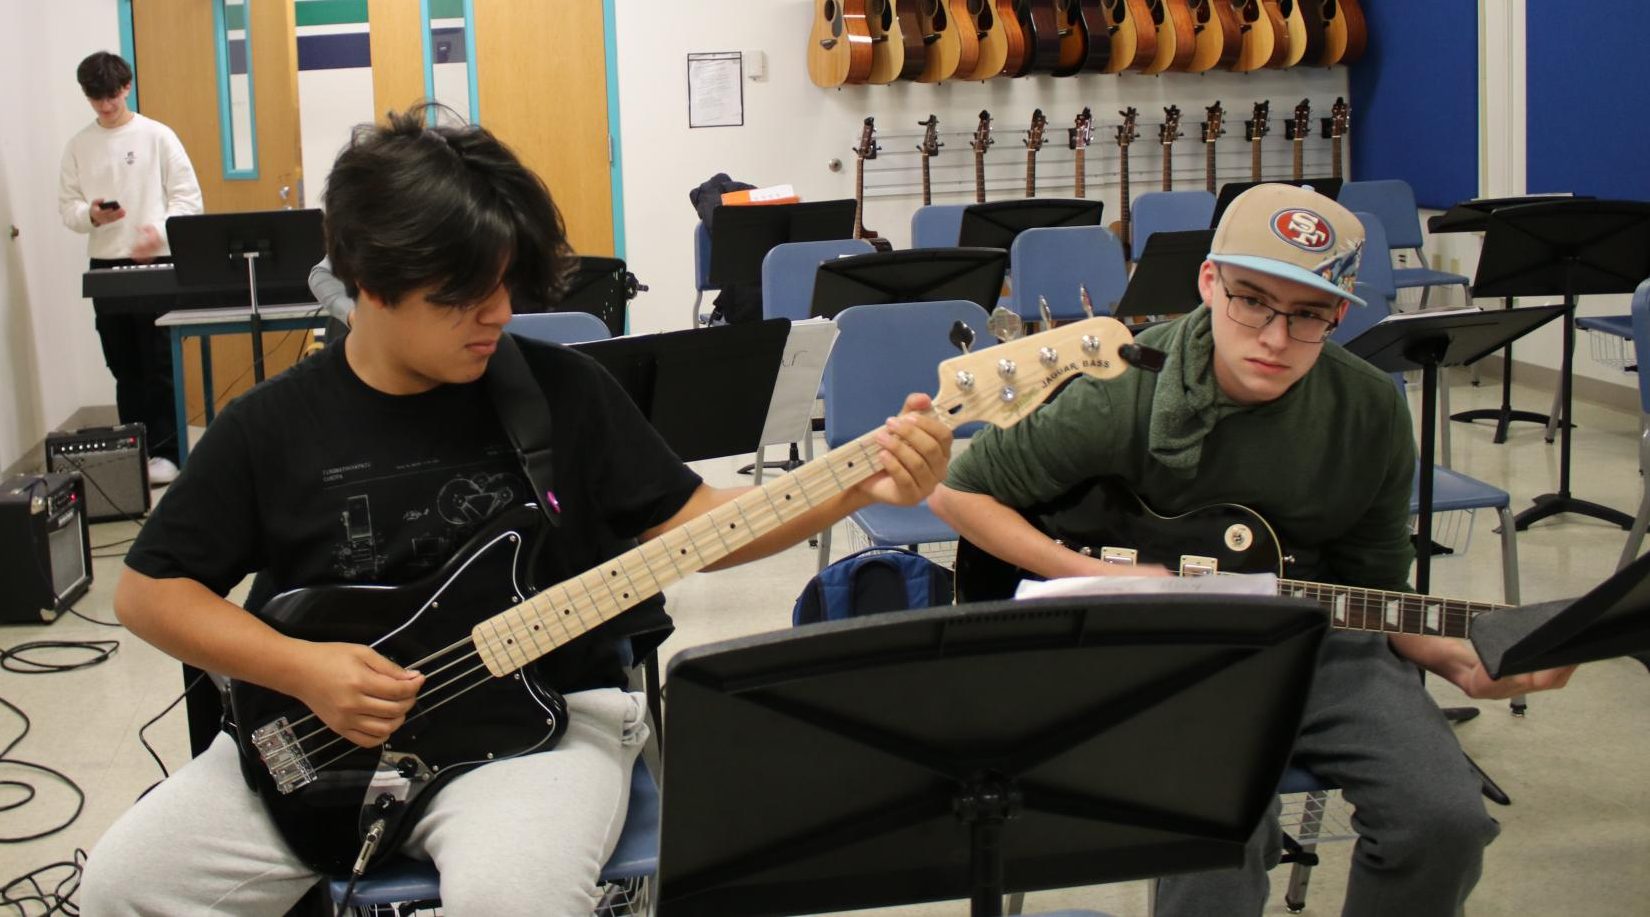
716,92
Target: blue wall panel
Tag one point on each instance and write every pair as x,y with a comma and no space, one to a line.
1415,98
1586,94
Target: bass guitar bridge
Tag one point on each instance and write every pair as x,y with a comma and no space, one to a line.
282,755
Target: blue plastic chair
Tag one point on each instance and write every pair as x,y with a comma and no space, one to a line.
1169,211
937,225
1378,287
884,352
1640,316
1393,203
558,327
1053,262
789,270
635,859
701,271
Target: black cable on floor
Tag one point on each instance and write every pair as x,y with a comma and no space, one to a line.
56,901
7,760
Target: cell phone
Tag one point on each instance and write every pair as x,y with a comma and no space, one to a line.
109,205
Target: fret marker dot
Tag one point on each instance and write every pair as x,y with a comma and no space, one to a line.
626,595
567,611
684,552
787,496
733,525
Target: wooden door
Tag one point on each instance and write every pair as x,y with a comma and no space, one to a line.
548,100
176,60
551,108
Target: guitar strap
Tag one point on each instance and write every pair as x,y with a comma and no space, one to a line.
525,414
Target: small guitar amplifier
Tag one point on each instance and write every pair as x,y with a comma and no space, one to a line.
115,464
45,554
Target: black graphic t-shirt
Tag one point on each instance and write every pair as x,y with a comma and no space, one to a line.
315,478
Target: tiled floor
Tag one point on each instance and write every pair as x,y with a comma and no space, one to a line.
1575,840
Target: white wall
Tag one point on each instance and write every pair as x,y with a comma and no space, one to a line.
793,129
53,364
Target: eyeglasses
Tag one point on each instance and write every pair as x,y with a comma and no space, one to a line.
1252,313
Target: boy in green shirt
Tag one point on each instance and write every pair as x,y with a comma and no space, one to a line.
1270,414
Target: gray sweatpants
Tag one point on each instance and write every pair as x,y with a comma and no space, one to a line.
517,836
1372,729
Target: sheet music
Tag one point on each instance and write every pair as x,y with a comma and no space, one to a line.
791,410
1225,584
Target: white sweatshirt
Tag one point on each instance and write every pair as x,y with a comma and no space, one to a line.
140,164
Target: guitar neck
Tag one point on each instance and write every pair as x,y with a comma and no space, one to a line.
926,198
859,199
979,177
513,638
1335,156
1031,173
1299,164
1209,166
1082,179
1254,159
1353,608
1123,198
1168,167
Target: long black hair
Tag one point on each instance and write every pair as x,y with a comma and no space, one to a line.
449,207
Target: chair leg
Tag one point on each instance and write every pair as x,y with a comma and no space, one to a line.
756,470
1300,873
698,297
1635,536
1509,582
1015,903
825,547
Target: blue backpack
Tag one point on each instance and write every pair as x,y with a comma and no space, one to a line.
870,582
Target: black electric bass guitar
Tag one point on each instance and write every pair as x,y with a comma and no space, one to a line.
1108,521
473,627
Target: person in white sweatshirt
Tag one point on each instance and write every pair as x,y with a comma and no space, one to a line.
122,176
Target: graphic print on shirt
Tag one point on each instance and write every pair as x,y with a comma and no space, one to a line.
411,519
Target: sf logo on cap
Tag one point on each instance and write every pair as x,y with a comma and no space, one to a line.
1304,229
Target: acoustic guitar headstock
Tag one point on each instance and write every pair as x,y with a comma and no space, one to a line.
1126,132
868,148
1214,123
982,133
931,144
1034,134
1257,126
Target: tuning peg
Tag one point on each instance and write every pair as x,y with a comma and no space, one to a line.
1144,358
1043,310
1004,324
962,336
1083,297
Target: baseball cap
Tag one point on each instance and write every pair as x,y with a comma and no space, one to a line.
1294,233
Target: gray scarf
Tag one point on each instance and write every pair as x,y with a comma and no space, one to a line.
1188,402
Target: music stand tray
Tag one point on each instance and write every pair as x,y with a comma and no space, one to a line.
1612,620
963,751
706,390
1327,186
1427,341
741,236
910,275
995,225
1165,278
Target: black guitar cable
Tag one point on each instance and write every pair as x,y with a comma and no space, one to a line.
59,900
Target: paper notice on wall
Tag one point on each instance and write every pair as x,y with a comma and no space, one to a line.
716,90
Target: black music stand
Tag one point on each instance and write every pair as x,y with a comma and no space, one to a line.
1474,216
220,249
1612,620
995,225
740,237
910,275
1327,186
1429,341
1165,277
966,751
706,390
1566,248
